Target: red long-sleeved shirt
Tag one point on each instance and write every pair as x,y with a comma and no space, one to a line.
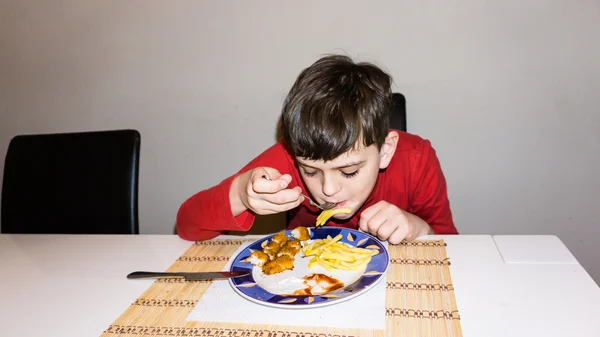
413,181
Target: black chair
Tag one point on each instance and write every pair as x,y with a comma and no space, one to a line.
398,117
72,183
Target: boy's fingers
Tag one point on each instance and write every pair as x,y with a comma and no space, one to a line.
275,175
262,183
275,208
397,236
280,202
283,197
385,231
277,181
284,177
376,222
367,215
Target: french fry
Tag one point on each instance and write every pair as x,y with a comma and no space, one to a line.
330,253
313,262
316,260
327,264
357,250
337,256
320,244
326,214
356,263
331,241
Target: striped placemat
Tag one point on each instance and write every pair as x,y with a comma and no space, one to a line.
419,298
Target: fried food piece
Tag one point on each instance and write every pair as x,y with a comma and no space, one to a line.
280,238
271,249
272,245
271,253
285,261
271,268
301,233
278,265
258,258
294,244
281,251
288,251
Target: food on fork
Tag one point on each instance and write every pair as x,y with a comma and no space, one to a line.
326,214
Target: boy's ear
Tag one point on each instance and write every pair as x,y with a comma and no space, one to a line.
388,149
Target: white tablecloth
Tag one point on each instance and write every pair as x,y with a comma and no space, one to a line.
504,285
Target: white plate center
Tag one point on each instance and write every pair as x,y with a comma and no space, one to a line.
285,283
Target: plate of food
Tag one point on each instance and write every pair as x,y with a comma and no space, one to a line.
310,267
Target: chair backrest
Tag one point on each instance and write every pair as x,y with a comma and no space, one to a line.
72,183
398,117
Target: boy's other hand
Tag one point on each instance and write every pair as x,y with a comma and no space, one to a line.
388,222
263,196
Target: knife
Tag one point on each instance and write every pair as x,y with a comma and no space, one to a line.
216,275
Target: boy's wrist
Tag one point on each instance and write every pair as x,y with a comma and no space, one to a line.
418,225
236,194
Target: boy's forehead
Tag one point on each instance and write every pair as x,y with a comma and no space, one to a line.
355,155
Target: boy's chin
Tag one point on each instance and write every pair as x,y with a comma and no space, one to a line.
343,216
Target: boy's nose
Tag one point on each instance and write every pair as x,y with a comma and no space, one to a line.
330,186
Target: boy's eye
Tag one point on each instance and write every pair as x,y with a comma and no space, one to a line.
350,175
309,174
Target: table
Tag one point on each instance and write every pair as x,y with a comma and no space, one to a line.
504,285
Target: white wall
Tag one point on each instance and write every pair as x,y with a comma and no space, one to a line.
507,91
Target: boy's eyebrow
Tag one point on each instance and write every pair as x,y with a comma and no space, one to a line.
339,167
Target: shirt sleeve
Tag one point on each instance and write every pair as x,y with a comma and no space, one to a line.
207,213
429,196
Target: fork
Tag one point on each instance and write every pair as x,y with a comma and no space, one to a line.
324,206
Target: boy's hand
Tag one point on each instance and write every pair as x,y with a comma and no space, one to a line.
388,222
263,196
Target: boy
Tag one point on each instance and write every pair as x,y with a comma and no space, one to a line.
336,147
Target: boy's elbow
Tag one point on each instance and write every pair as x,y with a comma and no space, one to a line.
183,232
189,230
196,234
184,224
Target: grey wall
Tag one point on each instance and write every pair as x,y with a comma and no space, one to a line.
507,91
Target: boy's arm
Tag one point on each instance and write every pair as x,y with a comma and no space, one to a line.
208,213
429,200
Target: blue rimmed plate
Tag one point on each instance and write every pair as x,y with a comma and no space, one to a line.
274,290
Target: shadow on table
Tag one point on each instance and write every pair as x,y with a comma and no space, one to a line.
263,224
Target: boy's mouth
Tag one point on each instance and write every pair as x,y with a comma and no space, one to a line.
338,204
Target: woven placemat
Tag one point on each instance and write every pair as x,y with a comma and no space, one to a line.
419,298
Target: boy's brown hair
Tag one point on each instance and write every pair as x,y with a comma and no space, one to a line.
334,103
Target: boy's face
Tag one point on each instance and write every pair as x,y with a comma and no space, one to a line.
349,178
